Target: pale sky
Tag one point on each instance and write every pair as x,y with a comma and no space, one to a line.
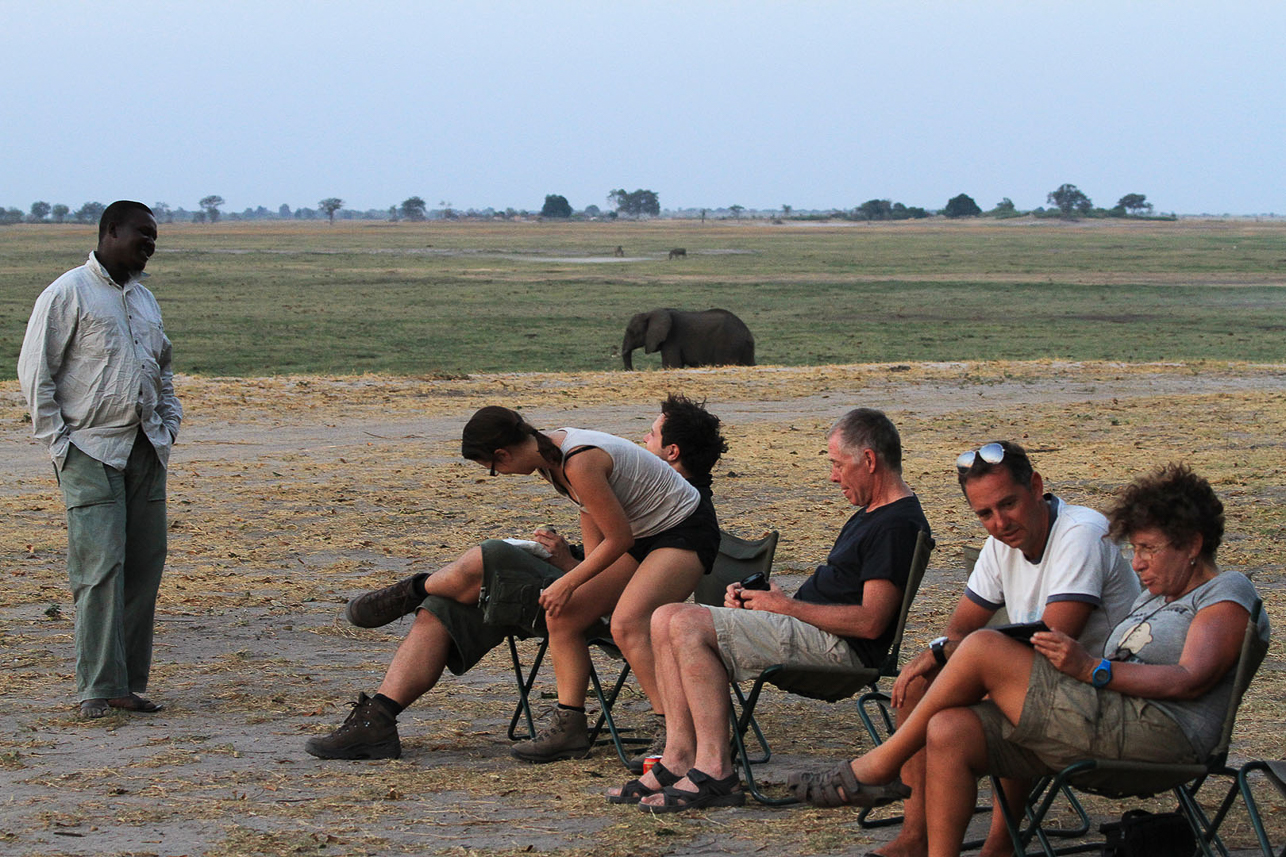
813,105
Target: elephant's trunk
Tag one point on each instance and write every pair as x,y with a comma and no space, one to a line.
627,357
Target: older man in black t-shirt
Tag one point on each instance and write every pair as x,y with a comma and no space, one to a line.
843,615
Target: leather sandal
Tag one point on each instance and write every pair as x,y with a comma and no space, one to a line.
710,792
840,787
634,790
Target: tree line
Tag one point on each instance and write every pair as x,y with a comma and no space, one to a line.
1067,201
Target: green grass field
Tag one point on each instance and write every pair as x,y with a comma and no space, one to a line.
256,298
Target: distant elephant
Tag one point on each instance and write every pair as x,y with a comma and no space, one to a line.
678,251
713,337
619,252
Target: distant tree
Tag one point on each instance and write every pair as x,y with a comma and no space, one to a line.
874,209
39,211
413,208
736,210
283,211
394,213
962,206
556,205
162,212
635,203
210,205
1069,199
592,211
786,210
1135,203
1005,206
60,212
330,205
90,212
199,216
10,216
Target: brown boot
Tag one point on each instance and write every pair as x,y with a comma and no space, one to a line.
382,606
370,732
563,735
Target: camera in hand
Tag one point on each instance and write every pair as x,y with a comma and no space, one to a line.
758,580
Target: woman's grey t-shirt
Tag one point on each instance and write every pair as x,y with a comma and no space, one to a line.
652,493
1154,632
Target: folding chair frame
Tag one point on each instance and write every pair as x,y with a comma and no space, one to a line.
737,558
1275,772
1183,781
838,684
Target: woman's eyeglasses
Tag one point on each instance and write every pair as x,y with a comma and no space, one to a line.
1147,552
991,453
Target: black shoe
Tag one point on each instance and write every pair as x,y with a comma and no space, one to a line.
382,606
370,732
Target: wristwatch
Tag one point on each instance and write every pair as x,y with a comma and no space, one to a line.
1102,673
939,648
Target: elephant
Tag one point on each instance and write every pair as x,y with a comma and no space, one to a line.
713,337
677,252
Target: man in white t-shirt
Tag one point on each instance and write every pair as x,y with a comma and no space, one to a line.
1043,560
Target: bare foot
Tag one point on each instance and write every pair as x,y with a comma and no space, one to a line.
134,702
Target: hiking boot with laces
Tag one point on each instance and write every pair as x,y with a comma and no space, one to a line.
382,606
562,735
370,732
656,748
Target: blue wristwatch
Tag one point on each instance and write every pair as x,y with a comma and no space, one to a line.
1102,673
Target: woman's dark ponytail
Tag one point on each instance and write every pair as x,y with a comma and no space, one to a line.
494,427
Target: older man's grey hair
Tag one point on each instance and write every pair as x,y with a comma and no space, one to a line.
867,428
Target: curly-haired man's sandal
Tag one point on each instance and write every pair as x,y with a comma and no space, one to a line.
840,787
710,792
634,791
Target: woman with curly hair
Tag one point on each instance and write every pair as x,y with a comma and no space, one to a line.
1157,693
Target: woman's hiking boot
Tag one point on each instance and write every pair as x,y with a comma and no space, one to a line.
370,732
379,607
563,735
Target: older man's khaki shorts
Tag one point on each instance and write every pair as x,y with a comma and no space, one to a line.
1065,720
750,641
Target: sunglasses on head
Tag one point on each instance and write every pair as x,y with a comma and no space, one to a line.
991,453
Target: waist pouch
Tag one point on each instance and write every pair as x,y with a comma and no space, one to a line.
512,600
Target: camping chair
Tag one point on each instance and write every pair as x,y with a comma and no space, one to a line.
1118,780
737,559
1275,772
830,685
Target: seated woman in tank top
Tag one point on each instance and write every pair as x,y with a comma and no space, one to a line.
649,537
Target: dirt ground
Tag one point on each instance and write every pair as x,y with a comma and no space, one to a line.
290,495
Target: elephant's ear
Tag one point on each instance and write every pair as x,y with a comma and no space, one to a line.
658,328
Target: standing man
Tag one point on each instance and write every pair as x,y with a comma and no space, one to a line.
95,368
845,614
1043,560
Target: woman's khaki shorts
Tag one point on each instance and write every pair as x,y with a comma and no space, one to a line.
1065,720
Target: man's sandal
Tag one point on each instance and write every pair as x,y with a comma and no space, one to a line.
634,790
840,787
710,792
